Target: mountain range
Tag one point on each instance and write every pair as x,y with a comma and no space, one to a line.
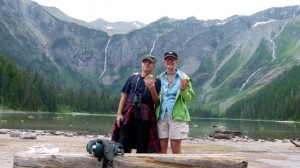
99,24
226,59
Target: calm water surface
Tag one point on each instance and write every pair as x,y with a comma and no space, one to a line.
102,124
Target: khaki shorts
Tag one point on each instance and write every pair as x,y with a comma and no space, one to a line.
172,129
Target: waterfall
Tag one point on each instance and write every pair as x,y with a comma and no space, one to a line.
153,45
51,59
273,50
294,14
273,43
40,37
105,59
241,89
282,28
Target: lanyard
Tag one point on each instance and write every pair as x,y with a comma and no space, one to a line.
137,84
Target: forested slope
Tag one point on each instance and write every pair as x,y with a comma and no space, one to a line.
24,90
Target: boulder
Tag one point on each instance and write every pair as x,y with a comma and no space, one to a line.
27,135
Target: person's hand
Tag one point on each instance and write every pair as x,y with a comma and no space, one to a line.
150,85
184,83
119,118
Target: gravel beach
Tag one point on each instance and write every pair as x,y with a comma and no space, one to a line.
262,154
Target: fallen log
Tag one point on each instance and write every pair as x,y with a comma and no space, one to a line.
224,134
182,160
22,160
293,142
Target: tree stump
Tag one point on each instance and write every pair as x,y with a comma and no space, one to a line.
131,160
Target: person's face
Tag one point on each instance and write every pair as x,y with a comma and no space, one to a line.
148,65
170,62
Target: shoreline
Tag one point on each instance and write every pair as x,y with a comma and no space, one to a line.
17,132
41,112
110,114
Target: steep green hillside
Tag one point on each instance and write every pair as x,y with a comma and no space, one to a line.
229,79
279,100
288,44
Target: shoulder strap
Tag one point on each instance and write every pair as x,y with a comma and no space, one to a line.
132,76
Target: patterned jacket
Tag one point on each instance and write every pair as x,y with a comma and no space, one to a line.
148,114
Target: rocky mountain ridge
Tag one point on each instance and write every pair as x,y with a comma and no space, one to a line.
99,24
226,59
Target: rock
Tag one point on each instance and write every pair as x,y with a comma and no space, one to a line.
59,133
40,132
27,135
15,134
69,134
215,125
4,131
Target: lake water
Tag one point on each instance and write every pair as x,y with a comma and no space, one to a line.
102,125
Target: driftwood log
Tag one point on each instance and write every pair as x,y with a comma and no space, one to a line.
224,134
131,160
293,142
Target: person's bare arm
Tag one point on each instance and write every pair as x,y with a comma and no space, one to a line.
120,107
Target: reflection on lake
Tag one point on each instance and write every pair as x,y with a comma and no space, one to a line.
102,124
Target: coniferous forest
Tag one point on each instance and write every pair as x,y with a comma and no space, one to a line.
26,90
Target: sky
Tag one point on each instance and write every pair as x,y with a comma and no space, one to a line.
148,11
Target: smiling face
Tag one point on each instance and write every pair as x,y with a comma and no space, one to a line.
170,63
147,66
